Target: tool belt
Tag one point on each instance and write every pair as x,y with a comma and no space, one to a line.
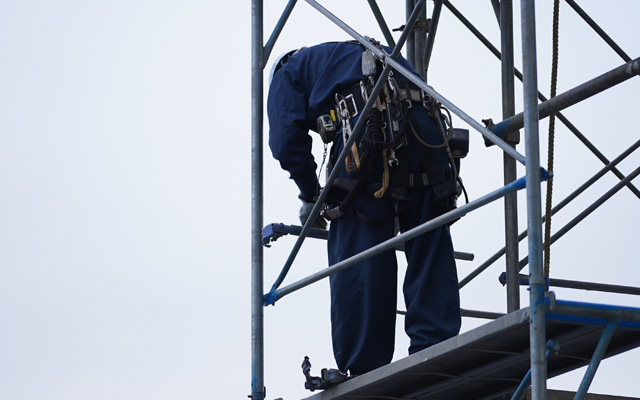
354,96
389,129
408,94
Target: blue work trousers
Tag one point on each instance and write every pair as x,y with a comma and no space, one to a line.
363,297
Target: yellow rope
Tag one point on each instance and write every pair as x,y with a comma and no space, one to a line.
552,125
385,176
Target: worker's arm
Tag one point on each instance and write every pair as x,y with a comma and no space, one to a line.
289,137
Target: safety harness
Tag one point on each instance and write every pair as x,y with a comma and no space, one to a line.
387,139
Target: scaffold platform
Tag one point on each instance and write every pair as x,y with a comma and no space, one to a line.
490,361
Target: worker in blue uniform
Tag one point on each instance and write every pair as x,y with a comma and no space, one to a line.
308,84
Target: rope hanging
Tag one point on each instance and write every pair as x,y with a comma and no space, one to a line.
385,175
552,125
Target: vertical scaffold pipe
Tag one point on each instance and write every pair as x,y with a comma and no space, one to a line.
534,221
420,38
257,310
411,48
510,201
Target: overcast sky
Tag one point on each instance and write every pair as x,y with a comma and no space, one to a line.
125,181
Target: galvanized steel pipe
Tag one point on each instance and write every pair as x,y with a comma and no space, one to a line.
537,286
572,96
257,262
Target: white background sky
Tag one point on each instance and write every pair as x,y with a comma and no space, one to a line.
125,206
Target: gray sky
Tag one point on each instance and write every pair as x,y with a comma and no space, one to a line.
125,173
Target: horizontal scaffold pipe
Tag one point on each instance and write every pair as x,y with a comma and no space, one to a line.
599,287
384,57
572,96
604,311
273,296
472,314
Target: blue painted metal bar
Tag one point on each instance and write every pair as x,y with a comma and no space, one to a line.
277,30
275,295
359,124
534,222
519,393
593,310
598,354
257,261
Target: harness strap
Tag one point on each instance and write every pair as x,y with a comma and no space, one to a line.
409,180
342,186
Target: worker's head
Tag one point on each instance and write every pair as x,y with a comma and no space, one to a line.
282,60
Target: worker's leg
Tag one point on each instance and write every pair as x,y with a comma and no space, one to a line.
363,297
431,283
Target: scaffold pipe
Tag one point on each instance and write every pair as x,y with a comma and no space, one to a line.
277,30
537,286
275,295
598,354
572,96
257,261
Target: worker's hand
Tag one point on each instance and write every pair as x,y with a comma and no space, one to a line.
305,211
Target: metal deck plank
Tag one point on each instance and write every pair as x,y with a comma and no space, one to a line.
487,361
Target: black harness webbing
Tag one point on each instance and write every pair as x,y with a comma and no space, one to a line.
345,190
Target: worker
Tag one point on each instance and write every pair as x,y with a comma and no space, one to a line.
313,88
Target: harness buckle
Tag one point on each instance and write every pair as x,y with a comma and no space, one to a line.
347,107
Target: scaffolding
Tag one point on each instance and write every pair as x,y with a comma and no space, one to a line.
480,363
